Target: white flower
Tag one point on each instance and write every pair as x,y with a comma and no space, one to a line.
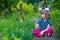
40,9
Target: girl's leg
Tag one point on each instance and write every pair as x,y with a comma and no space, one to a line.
50,30
37,33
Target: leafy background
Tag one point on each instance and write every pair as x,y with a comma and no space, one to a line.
11,27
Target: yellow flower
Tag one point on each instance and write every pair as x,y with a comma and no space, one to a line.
5,38
17,38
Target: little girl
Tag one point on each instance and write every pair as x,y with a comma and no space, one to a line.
43,26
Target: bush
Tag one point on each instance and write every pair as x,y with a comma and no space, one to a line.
14,30
27,9
55,17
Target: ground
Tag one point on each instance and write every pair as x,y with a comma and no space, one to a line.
53,37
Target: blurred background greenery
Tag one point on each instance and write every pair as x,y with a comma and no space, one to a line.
11,27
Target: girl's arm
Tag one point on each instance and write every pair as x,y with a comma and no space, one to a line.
48,26
36,25
42,32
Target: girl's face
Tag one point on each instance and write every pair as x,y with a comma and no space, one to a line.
43,15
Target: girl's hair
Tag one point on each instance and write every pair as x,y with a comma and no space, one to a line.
44,12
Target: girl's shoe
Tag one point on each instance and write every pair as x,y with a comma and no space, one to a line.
49,34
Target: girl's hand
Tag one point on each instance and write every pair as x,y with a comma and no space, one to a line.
42,33
35,20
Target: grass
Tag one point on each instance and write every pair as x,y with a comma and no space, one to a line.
13,29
